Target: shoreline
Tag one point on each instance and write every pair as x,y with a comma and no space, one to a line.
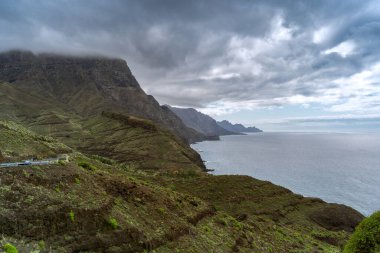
343,199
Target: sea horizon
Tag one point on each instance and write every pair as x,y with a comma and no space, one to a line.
300,162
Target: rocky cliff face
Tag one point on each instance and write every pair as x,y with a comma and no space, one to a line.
200,122
87,86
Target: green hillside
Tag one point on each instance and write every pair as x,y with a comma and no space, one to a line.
133,184
95,204
119,136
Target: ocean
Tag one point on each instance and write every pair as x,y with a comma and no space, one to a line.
336,167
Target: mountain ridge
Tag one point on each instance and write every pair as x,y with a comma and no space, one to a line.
200,122
67,98
87,86
239,128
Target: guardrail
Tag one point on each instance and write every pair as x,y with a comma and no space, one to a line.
29,163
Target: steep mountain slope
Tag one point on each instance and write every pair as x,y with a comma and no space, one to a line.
92,204
137,142
200,122
71,99
83,86
239,128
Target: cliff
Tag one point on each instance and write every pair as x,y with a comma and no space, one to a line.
239,128
200,122
84,86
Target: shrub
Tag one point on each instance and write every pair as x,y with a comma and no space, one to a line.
236,224
161,210
62,163
104,160
113,223
223,221
41,245
72,216
190,173
366,237
9,248
86,165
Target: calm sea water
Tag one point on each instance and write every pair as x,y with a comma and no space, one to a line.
339,168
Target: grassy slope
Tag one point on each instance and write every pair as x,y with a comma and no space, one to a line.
109,134
94,206
276,218
108,207
17,143
138,142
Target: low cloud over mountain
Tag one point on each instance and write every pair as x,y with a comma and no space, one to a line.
219,56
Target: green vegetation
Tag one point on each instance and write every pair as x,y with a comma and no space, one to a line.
60,162
366,237
160,209
41,245
18,143
72,216
104,160
113,223
86,165
9,248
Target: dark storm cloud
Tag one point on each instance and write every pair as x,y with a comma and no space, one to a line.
197,53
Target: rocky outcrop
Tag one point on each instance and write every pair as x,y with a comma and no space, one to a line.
200,122
239,128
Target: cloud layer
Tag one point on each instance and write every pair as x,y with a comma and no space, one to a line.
219,55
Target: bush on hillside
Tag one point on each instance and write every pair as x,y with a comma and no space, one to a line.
366,238
9,248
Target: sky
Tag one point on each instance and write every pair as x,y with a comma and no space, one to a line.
282,65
